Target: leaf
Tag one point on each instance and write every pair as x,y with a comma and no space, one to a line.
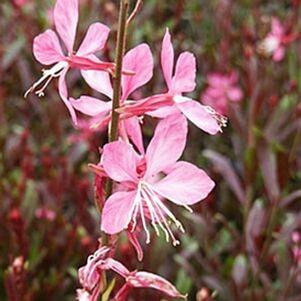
30,200
256,222
223,165
268,165
107,293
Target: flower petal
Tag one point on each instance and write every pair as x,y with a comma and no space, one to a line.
279,54
94,40
184,79
91,106
234,94
167,58
149,280
186,184
199,115
65,19
120,161
167,144
99,81
64,95
47,49
134,132
117,212
140,61
277,27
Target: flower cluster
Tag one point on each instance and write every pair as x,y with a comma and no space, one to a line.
222,89
275,42
143,179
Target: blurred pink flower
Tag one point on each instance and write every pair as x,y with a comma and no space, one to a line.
19,3
179,82
48,51
221,89
276,40
90,277
141,190
45,213
296,249
100,111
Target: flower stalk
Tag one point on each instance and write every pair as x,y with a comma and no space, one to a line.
120,49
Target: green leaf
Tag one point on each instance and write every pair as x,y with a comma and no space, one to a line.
107,293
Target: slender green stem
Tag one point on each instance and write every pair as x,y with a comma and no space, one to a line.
121,40
120,48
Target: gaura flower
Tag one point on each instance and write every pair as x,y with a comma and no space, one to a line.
221,89
141,279
90,277
182,80
48,51
274,43
99,111
141,191
296,248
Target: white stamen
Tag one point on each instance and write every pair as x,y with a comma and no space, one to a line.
166,210
158,213
221,120
188,208
151,210
144,223
136,208
47,75
160,207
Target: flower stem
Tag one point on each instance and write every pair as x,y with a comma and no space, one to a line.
120,49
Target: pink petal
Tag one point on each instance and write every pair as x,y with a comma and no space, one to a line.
64,95
133,239
279,54
186,184
94,40
149,104
116,266
167,58
277,27
120,161
167,144
99,81
91,106
215,79
65,19
200,116
150,280
184,79
47,49
134,132
234,94
164,112
140,61
117,212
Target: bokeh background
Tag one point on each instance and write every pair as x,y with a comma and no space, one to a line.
243,242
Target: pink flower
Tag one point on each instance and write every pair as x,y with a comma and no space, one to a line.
90,277
48,51
19,3
147,280
141,191
296,249
274,43
45,213
222,88
179,82
99,111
